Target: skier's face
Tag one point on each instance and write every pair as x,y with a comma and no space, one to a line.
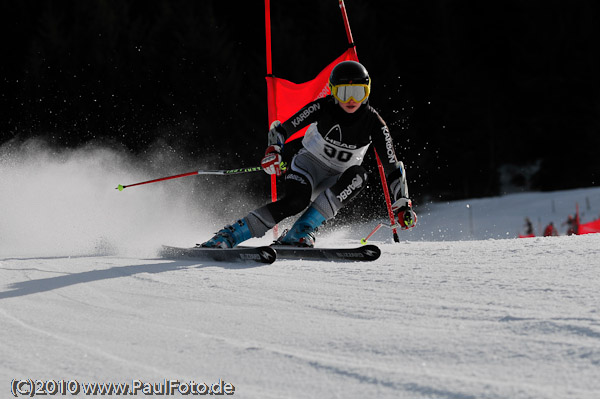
351,106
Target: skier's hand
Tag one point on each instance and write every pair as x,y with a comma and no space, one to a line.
271,162
403,213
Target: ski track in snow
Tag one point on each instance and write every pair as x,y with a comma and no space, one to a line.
463,319
457,310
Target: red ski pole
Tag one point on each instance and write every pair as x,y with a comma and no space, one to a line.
386,193
121,187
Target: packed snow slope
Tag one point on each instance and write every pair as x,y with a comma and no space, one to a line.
459,309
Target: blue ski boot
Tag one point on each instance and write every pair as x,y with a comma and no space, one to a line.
302,233
229,236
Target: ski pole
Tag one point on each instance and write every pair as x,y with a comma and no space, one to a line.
386,193
121,187
380,225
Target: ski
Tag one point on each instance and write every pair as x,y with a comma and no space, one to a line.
265,254
239,254
364,253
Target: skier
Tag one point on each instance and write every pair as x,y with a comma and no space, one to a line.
324,171
529,227
572,225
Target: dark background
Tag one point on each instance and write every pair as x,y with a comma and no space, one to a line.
467,87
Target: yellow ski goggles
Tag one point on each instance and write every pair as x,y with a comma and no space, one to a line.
346,92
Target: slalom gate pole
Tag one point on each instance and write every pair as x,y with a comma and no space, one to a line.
347,27
121,187
271,104
386,193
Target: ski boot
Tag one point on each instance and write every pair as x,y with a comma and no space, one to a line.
302,233
229,236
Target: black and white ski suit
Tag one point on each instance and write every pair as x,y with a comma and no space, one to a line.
324,167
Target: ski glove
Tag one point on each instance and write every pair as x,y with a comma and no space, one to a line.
403,213
271,162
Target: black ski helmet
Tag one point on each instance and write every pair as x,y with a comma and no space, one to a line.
349,72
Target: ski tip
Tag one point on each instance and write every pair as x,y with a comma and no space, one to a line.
267,255
371,252
362,253
264,254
